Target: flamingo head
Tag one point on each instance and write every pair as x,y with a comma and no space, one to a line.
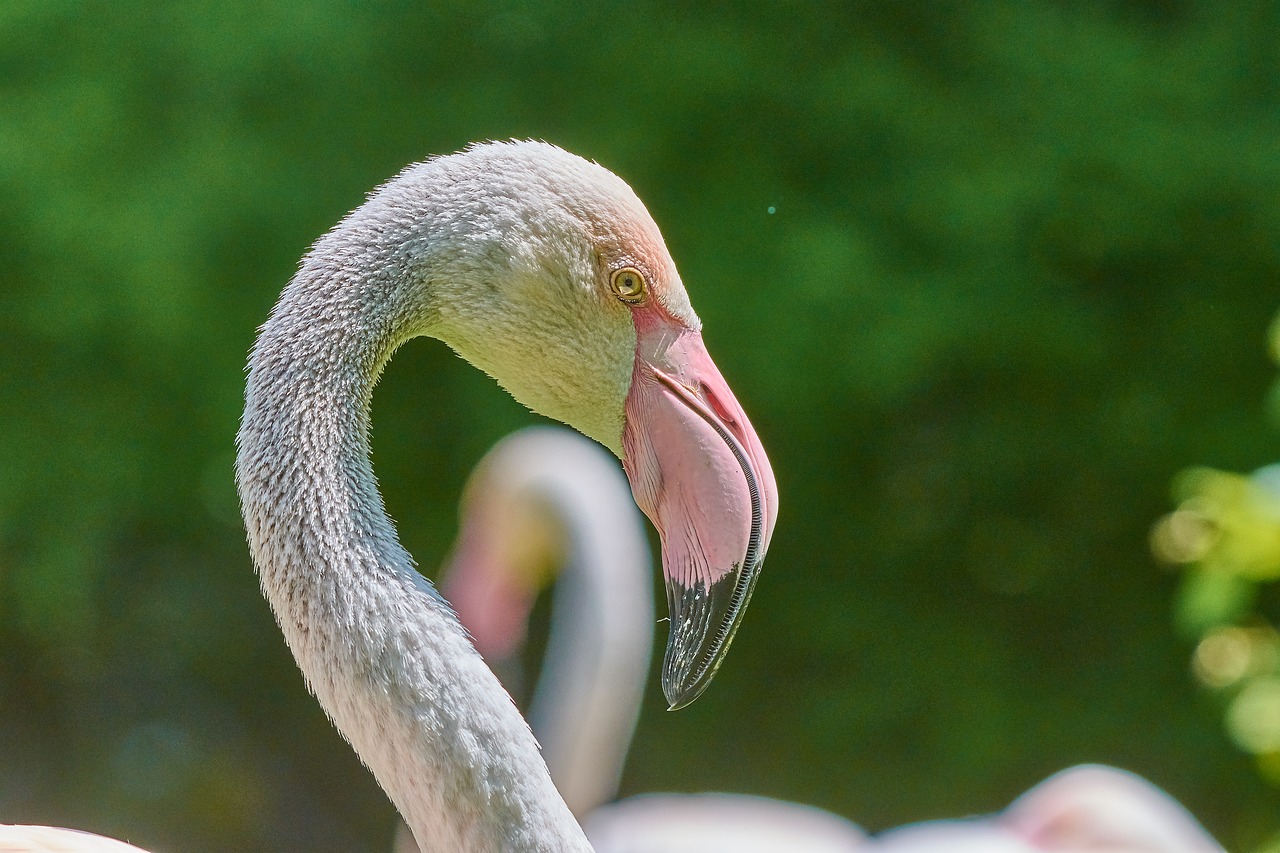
547,272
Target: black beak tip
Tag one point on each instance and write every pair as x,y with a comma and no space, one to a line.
682,695
704,620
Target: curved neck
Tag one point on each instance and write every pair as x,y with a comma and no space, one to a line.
588,696
380,649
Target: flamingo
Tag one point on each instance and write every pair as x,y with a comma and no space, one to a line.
54,839
1096,807
1090,808
564,504
547,272
546,500
719,823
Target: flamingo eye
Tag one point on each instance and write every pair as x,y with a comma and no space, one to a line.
629,285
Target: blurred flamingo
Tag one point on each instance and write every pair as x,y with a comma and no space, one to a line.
1090,808
52,839
546,504
1095,807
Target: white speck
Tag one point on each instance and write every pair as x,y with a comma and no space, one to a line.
772,210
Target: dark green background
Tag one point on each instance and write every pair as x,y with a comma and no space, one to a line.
1021,266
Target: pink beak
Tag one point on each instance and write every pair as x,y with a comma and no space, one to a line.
697,469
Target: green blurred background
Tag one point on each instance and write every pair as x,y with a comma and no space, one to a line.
985,276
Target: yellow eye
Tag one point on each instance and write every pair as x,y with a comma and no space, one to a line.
629,285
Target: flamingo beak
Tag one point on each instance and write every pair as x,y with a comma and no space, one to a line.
699,472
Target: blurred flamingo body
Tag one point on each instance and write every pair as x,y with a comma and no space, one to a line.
1090,808
1095,807
546,271
51,839
718,823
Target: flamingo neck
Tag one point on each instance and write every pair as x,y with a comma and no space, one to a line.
587,700
380,649
546,497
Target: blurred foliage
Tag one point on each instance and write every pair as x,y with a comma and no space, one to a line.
1226,534
982,274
